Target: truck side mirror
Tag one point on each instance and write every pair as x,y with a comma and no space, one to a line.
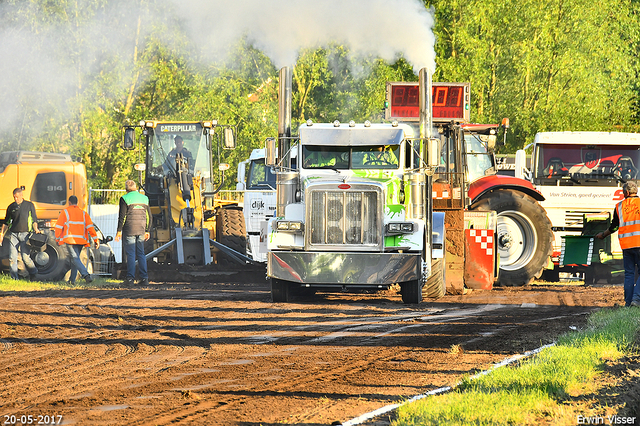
229,138
270,152
521,165
433,152
129,138
241,184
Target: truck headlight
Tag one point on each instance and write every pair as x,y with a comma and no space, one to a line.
396,228
286,225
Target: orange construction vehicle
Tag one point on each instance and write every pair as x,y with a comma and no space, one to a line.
48,180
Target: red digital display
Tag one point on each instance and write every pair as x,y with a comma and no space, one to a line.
448,101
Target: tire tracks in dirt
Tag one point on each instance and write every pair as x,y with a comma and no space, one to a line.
201,411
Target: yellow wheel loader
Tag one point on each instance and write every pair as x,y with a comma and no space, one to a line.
192,226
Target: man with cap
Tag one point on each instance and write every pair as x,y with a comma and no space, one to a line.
73,229
626,220
169,165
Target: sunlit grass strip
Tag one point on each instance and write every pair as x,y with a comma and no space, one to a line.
534,390
9,284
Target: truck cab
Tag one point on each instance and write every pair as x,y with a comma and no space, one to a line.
580,173
352,215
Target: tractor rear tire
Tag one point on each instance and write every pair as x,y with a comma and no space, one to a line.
231,230
524,240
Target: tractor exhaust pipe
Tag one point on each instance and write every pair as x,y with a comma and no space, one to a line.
426,119
428,147
284,116
286,179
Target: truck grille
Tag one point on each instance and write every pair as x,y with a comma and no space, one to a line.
341,218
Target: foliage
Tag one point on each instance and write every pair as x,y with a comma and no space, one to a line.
549,66
83,69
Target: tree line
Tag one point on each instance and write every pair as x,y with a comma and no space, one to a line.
83,69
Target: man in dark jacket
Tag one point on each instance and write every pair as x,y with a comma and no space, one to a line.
21,219
134,221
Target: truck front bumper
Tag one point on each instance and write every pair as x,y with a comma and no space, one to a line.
344,269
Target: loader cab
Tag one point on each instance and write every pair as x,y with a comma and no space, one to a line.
165,144
167,140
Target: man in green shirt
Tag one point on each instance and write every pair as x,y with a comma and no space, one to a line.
134,223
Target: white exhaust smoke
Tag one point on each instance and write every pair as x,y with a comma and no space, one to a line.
47,65
281,28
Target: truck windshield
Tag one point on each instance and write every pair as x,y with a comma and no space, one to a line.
602,164
191,142
479,161
354,157
260,176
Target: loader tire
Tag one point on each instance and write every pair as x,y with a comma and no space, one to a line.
52,262
231,230
524,237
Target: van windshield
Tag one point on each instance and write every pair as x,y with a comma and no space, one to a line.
603,164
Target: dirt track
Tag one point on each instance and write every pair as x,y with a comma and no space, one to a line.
223,354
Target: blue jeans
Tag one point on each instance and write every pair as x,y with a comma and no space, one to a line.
631,260
76,262
134,249
18,243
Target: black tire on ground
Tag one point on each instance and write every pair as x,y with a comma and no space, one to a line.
280,290
524,240
436,285
589,276
52,263
411,292
551,275
231,230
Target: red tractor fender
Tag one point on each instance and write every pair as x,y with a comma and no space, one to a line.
485,184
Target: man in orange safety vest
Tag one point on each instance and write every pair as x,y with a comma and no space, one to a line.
626,220
73,229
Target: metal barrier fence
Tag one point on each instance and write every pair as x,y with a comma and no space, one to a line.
231,195
103,209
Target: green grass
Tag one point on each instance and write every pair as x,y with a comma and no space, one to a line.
537,390
9,284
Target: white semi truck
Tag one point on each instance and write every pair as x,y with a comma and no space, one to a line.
259,185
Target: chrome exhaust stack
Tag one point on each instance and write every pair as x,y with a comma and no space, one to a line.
286,180
284,116
430,153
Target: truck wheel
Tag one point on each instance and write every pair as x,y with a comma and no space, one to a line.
52,262
524,239
411,292
231,230
280,291
436,285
